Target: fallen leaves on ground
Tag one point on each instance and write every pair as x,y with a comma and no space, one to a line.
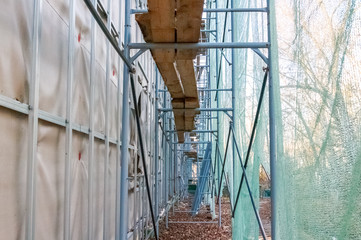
197,231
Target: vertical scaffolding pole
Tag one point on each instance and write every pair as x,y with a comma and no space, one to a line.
118,157
233,39
167,160
91,128
106,160
170,127
173,170
272,124
198,145
125,132
218,125
175,178
235,169
69,126
156,158
33,124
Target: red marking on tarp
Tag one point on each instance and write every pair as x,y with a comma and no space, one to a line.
79,156
79,37
113,72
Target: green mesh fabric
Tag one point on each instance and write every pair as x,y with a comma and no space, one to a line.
247,84
316,70
319,146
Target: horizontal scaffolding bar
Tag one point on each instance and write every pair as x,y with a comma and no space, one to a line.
215,90
198,45
204,142
198,109
135,11
235,10
195,131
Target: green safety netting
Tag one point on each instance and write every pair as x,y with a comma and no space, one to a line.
319,134
316,71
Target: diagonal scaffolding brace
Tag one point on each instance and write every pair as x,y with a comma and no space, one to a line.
249,188
252,136
143,156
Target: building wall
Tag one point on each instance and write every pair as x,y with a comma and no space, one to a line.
16,69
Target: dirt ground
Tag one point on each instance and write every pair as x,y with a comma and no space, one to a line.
207,231
195,231
265,214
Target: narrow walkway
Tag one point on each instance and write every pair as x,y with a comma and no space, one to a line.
209,231
191,231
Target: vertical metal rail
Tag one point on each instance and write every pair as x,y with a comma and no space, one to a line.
91,129
166,159
136,208
156,138
272,124
119,127
169,160
198,163
164,139
172,166
123,221
175,169
69,121
143,210
218,124
106,157
174,162
233,55
219,190
223,38
209,122
33,124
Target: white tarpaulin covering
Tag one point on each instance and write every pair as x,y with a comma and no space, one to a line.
16,21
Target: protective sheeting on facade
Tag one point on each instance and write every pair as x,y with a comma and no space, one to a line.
16,59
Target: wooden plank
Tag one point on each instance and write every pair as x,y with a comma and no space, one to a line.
162,18
144,23
175,21
191,103
186,71
189,115
179,119
180,136
158,25
188,20
188,24
178,103
171,79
